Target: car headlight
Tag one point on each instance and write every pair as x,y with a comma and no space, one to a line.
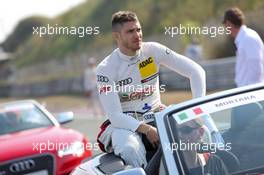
76,149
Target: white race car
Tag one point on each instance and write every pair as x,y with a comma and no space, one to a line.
187,138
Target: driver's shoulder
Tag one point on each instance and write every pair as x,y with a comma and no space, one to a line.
108,66
151,45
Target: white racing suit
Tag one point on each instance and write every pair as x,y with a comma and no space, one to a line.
131,83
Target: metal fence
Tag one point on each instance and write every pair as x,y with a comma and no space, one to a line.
219,75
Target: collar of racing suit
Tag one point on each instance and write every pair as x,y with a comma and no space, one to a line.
128,58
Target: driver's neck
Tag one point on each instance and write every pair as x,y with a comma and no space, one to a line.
128,52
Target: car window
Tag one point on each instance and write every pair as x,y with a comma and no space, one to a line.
18,117
222,136
222,119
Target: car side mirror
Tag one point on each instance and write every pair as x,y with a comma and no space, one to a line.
64,117
133,171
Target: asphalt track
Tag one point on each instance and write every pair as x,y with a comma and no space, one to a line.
86,124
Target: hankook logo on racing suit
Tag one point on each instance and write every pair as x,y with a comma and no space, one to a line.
137,95
124,82
101,78
21,166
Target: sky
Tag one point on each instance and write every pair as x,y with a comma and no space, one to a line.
12,11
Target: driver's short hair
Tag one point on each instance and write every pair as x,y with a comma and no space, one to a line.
121,17
235,16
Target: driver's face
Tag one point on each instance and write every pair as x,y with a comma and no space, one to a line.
130,36
190,132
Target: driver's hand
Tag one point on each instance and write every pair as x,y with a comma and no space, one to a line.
152,135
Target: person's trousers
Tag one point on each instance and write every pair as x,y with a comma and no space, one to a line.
129,146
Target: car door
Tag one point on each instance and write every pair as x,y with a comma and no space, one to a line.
217,134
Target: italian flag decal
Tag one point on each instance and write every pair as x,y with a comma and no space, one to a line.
197,111
183,116
188,115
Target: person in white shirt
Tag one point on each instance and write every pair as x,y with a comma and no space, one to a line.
128,84
194,50
250,50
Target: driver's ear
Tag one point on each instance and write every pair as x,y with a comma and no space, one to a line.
116,35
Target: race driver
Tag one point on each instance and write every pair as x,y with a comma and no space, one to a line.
128,84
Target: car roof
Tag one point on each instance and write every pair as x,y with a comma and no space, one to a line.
19,102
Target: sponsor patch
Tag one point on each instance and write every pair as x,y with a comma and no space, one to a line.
101,78
147,68
124,82
148,117
145,117
136,95
104,89
146,107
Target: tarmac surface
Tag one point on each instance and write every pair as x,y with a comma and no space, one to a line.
86,124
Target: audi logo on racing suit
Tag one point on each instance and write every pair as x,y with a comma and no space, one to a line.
101,78
124,82
22,166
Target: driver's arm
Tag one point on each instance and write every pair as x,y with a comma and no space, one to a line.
182,65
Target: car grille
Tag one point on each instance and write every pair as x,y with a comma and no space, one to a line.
40,164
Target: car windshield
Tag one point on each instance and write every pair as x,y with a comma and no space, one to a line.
21,116
224,135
